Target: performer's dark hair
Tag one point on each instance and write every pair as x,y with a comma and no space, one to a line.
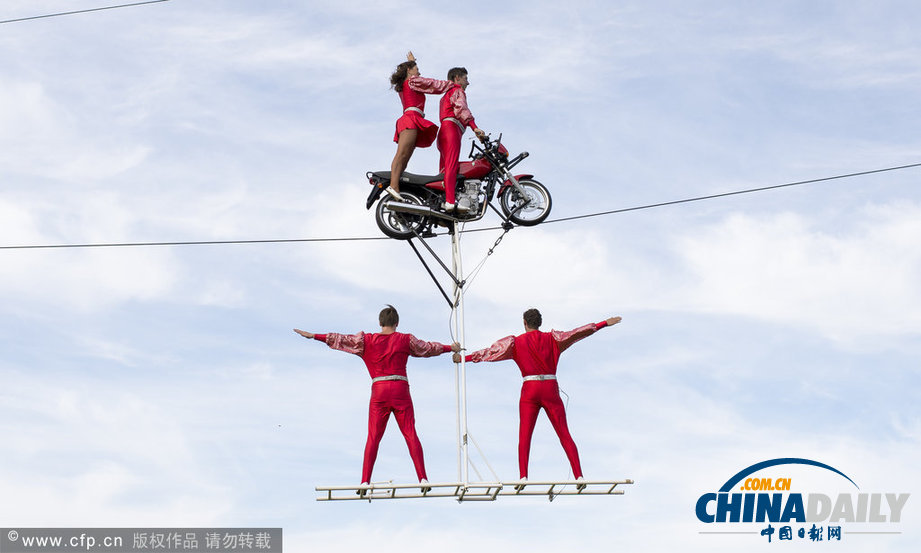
399,76
456,72
532,318
389,316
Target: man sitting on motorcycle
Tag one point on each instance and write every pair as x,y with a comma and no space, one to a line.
455,118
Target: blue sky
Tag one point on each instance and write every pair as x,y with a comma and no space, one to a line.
162,386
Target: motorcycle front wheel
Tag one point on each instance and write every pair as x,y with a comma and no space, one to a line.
527,207
395,224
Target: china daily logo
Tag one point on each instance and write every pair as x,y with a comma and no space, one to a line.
768,495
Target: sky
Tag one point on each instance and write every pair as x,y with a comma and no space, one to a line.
162,386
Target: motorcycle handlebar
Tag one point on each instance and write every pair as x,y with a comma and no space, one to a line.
487,143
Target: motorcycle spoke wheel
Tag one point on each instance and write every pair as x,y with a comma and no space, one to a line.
399,225
527,207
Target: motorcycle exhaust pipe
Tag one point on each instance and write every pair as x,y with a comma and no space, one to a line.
420,210
412,209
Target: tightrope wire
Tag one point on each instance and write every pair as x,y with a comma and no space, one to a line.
368,238
81,11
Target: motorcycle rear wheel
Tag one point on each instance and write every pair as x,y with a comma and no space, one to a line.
534,203
399,225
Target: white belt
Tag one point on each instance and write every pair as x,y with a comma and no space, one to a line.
390,377
456,122
539,377
414,108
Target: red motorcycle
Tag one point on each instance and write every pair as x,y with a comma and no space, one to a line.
523,200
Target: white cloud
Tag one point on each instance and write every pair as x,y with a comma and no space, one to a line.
43,137
84,279
857,281
850,283
79,447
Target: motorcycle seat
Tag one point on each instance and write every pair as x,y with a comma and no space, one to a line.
411,178
421,179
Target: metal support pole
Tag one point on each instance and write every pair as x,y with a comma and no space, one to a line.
461,370
427,268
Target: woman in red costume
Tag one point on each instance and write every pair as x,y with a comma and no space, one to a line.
413,130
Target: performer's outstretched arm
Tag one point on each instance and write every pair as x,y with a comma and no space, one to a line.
570,337
305,334
420,348
349,343
428,86
501,350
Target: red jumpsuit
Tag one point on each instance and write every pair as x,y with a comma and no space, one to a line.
413,99
385,356
455,118
537,353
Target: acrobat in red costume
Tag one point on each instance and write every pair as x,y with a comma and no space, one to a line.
412,128
385,355
537,354
455,118
412,96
